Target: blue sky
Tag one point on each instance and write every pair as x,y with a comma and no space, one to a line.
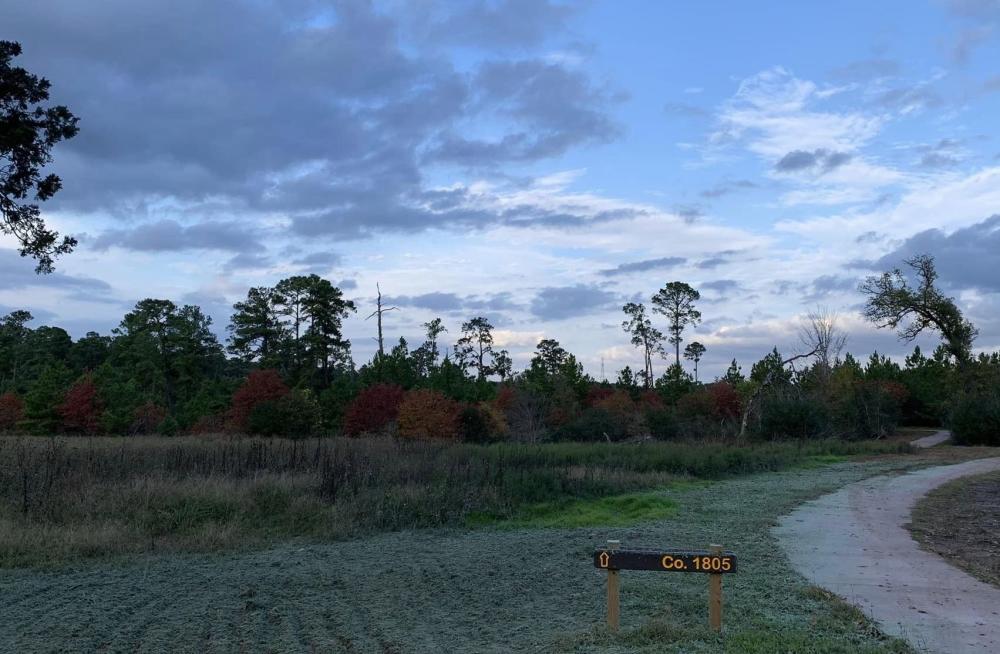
537,162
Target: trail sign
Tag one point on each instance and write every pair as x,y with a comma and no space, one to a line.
714,562
665,560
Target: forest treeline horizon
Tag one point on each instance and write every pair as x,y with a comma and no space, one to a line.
286,369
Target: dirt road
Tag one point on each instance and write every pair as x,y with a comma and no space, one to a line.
853,542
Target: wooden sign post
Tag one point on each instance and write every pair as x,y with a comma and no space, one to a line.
614,594
714,562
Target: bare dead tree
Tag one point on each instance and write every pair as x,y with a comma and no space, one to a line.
819,331
378,312
824,340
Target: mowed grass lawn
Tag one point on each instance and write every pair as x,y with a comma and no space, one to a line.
515,575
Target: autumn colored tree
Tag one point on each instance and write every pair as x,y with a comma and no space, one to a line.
147,418
426,413
11,411
82,407
373,409
261,386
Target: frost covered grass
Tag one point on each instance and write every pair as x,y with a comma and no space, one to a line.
65,498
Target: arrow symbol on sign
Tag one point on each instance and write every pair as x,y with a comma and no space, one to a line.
604,559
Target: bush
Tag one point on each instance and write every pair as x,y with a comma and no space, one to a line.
294,415
594,424
662,424
481,423
975,419
426,413
147,418
11,411
373,409
790,415
260,386
81,408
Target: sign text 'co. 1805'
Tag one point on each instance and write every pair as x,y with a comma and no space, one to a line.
666,560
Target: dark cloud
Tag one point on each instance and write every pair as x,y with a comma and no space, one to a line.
943,154
328,117
689,213
247,261
431,301
643,266
18,273
826,285
966,258
171,236
866,69
559,302
968,40
720,286
869,237
319,259
486,24
347,284
558,107
821,160
725,188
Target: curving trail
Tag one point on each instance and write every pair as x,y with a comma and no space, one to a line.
854,543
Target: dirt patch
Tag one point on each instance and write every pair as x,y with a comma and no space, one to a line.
961,522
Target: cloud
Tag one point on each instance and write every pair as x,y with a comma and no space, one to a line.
821,159
484,24
727,187
560,302
866,69
18,273
643,266
685,110
171,236
992,84
907,99
435,301
319,259
720,286
968,257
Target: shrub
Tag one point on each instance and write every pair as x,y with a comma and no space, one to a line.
147,418
11,411
481,423
260,386
975,419
662,424
374,408
211,424
81,408
596,394
294,415
594,424
790,415
726,401
426,413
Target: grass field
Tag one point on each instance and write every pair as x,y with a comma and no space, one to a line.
63,499
530,588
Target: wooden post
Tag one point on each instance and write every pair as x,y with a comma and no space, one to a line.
715,594
614,605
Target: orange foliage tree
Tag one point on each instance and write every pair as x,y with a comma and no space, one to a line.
427,413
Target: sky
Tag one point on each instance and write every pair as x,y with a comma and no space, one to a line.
536,162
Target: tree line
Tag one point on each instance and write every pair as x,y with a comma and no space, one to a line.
286,368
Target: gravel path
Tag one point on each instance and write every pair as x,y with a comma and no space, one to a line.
448,591
936,438
854,543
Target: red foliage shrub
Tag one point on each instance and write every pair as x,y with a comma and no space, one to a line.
727,401
82,407
651,400
896,391
11,411
617,403
505,399
597,393
426,413
147,418
260,386
373,409
696,404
